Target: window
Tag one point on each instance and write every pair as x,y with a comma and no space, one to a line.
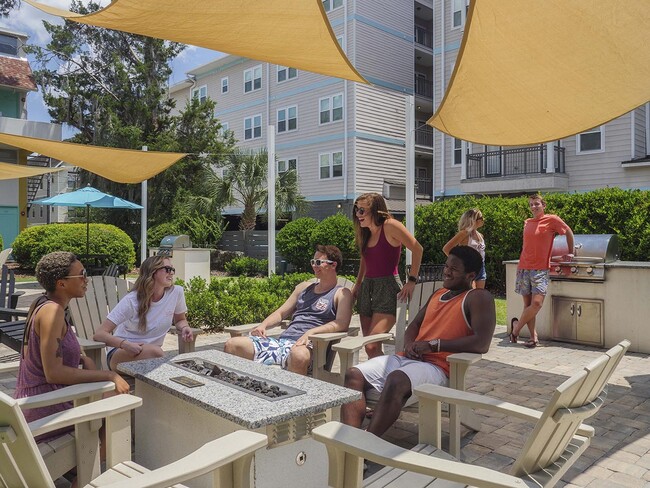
8,45
287,119
591,140
285,73
225,128
331,109
201,93
339,39
458,152
224,85
253,127
253,79
285,165
330,5
458,12
331,165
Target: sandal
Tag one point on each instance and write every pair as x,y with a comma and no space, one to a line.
531,344
513,337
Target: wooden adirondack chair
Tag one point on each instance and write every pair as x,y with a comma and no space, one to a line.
22,464
87,313
556,442
323,354
8,294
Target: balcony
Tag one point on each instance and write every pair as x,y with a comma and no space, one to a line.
515,170
424,137
423,188
424,88
29,128
423,37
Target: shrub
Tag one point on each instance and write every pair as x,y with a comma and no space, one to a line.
336,230
1,243
295,244
203,231
246,266
34,242
156,233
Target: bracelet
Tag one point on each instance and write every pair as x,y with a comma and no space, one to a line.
120,346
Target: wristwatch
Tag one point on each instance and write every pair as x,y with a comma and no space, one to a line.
413,279
434,344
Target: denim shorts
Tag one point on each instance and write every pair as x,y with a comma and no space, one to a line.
482,275
379,295
531,281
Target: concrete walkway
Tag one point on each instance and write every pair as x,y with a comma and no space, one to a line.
619,454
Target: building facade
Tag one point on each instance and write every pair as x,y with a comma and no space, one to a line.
347,138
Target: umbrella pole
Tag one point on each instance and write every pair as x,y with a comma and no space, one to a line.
87,229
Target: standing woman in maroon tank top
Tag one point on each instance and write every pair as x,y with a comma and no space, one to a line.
380,238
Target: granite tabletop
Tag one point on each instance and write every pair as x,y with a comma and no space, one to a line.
247,410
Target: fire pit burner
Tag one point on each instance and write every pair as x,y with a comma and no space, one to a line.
251,384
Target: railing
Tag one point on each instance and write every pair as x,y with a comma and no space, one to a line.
423,187
423,36
424,137
423,87
514,162
428,272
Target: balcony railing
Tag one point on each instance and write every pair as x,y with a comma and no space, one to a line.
424,137
423,87
423,36
423,187
514,162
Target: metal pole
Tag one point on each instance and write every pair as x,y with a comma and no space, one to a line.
143,218
410,169
270,141
87,229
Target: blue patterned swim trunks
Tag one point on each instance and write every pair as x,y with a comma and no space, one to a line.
269,350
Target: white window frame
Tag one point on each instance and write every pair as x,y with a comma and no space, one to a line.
458,6
330,5
201,93
225,85
601,130
287,73
339,39
225,127
287,165
456,149
284,112
253,72
253,126
329,158
330,109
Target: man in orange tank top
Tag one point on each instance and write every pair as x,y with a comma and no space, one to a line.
456,318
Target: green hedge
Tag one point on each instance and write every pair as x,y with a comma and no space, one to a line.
606,211
1,243
34,242
246,266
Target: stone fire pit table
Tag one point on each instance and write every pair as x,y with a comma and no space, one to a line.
175,419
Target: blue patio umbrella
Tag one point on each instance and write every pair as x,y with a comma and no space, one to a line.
88,197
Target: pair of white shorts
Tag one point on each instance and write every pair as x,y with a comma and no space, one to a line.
376,370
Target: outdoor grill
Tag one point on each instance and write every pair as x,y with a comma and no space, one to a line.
592,252
169,243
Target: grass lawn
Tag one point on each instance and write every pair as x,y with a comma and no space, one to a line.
501,310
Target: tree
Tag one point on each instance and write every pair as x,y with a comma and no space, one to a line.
6,6
244,183
112,87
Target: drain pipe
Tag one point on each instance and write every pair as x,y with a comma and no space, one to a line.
442,95
346,164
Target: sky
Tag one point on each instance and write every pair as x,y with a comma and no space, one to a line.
29,20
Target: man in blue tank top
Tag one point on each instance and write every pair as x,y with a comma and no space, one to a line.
315,308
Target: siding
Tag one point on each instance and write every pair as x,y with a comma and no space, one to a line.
375,162
640,142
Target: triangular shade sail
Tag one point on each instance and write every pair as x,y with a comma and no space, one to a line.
120,165
9,171
540,70
294,33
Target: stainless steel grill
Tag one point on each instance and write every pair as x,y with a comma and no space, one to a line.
169,243
592,252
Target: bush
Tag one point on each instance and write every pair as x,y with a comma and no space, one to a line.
203,231
295,244
1,243
34,242
246,266
156,233
336,230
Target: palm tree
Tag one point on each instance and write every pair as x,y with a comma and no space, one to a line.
244,184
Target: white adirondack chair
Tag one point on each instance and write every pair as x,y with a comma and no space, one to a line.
103,293
557,440
22,464
323,354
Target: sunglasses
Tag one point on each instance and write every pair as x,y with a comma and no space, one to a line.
169,269
84,275
320,262
360,210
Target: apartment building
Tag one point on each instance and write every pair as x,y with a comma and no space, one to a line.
347,138
16,82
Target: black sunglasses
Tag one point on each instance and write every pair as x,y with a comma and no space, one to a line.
360,210
169,269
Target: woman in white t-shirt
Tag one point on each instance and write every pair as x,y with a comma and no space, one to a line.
468,235
136,327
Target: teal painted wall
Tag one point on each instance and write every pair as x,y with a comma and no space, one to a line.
9,105
8,225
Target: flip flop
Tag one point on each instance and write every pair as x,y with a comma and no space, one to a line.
513,337
531,344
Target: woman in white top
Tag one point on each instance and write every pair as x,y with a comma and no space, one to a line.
136,327
468,235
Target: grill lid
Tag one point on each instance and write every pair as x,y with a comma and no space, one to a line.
603,248
175,242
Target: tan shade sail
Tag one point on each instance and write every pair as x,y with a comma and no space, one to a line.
539,70
120,165
293,33
9,171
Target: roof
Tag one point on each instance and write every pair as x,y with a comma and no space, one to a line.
16,73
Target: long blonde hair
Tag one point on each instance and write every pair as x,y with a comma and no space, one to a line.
468,219
144,287
380,214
